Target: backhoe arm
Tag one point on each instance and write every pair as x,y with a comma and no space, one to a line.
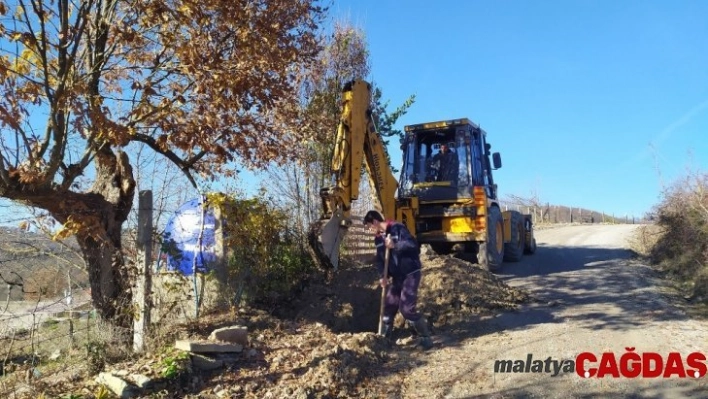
357,143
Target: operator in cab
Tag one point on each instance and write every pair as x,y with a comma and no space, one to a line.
445,165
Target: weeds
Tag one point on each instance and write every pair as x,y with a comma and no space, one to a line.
680,246
174,365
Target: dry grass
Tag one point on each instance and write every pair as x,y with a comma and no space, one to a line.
646,237
678,243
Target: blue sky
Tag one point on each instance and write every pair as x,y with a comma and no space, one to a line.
594,104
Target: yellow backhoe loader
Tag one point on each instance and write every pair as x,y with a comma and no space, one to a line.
446,194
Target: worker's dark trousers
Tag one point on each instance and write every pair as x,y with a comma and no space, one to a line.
402,295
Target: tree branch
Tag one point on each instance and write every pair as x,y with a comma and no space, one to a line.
3,172
181,164
18,132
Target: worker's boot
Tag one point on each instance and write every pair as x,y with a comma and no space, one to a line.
387,327
421,327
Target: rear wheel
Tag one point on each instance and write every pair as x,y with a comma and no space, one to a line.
514,250
531,249
530,241
491,253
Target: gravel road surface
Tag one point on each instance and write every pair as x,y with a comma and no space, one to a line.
591,297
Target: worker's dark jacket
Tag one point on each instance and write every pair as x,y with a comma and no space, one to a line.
404,258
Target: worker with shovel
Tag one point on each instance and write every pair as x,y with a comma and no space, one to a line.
398,258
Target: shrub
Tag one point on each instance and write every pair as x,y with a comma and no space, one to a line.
266,258
682,250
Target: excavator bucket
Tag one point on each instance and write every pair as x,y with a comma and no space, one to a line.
325,238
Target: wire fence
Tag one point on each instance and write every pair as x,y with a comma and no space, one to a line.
543,214
48,325
45,306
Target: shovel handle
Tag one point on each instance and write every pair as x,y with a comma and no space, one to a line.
383,288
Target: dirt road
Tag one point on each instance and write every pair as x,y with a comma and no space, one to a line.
591,298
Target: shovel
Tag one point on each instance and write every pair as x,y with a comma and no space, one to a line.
383,289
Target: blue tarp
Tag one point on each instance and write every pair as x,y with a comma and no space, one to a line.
183,231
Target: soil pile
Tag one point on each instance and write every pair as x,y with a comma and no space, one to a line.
451,292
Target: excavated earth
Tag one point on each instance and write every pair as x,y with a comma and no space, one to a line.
322,344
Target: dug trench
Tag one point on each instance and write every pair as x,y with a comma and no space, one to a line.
324,342
452,293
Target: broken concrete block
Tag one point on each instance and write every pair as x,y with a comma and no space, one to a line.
141,381
233,334
206,363
117,385
208,347
55,355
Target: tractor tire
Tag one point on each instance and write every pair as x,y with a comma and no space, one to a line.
531,248
514,250
490,254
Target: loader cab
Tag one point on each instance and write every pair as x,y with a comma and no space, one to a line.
445,160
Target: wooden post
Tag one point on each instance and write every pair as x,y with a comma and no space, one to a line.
143,284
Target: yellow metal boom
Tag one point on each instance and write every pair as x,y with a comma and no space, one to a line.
357,144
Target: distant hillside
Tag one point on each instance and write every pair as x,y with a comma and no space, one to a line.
548,213
33,266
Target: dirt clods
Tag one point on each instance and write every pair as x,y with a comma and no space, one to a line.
453,291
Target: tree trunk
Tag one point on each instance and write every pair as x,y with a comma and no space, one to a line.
96,218
109,276
110,281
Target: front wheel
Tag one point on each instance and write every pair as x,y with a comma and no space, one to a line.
491,253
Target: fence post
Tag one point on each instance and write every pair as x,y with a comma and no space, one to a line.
143,284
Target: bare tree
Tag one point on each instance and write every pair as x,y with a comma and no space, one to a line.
346,57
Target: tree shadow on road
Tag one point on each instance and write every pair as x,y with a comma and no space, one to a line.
590,287
606,287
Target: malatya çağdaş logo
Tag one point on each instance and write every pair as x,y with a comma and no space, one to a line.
630,364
